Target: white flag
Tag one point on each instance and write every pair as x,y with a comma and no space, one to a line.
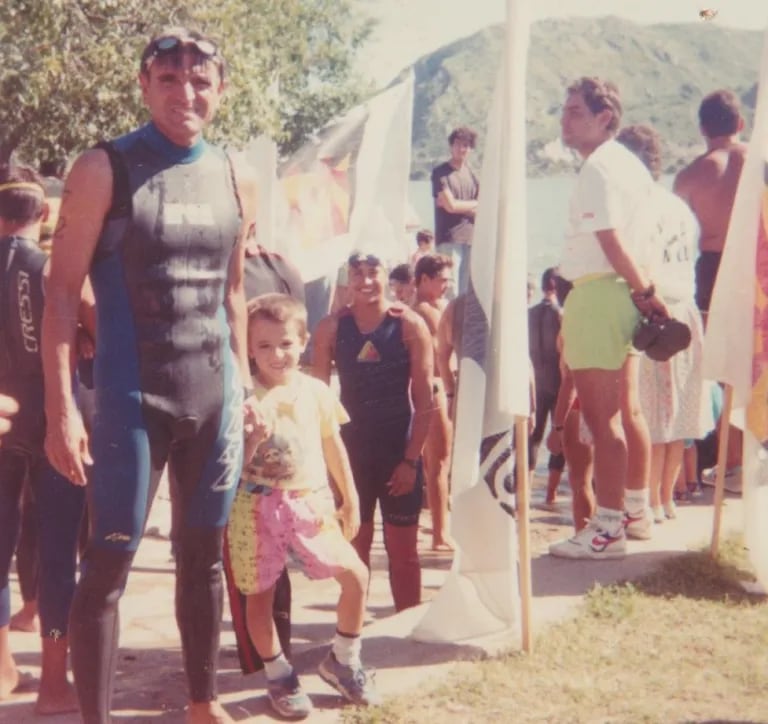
736,342
348,186
480,595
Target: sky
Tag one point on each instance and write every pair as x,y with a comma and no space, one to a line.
408,29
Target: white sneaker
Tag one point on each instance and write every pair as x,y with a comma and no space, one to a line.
591,542
731,481
639,527
658,514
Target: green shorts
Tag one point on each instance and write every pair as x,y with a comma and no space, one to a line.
599,320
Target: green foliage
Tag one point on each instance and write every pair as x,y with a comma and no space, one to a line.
68,68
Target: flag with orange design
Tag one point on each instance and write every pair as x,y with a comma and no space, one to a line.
347,187
736,341
757,409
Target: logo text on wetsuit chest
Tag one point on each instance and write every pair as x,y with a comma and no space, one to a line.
197,214
24,290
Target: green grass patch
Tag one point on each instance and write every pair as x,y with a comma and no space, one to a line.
684,643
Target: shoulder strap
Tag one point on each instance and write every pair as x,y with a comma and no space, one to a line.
5,342
121,188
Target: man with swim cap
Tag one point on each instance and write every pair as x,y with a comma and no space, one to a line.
158,219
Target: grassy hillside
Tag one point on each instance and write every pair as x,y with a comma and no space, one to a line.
663,71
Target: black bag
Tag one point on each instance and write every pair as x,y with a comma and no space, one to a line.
660,339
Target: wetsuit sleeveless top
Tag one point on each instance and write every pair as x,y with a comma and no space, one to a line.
59,504
21,312
165,376
374,376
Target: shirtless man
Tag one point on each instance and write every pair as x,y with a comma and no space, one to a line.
433,278
708,185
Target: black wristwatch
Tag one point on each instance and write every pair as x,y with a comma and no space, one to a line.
411,463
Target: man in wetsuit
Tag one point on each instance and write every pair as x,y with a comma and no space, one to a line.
59,505
384,358
157,218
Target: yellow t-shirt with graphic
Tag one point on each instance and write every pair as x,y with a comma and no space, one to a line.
300,414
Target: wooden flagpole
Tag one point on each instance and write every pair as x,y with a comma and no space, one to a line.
523,530
722,457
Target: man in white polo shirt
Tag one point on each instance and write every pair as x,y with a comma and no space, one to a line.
609,228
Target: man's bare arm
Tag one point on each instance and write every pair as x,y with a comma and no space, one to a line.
446,200
445,350
85,203
419,344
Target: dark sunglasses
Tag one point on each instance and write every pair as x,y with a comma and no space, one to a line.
357,259
173,43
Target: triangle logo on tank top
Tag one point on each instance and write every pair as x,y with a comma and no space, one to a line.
369,353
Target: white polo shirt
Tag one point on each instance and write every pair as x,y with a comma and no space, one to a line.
613,191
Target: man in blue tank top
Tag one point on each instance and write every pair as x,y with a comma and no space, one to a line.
157,218
384,358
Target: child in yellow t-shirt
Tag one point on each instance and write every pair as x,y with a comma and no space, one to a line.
284,505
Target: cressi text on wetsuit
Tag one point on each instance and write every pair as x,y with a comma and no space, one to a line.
59,504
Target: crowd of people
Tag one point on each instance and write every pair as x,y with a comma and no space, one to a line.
641,264
189,341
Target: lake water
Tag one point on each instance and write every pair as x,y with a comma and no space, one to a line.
547,215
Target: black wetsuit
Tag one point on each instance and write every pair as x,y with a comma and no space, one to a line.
544,321
168,390
59,503
375,379
374,375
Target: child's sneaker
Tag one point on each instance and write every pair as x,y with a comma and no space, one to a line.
353,683
639,527
670,510
591,542
288,698
658,514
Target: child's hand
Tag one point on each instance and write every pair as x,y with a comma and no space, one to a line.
349,517
256,428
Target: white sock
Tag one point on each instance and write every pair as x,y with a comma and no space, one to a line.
277,667
636,502
346,649
611,521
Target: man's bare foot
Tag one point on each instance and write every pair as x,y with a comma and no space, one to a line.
9,680
208,712
58,699
444,545
25,620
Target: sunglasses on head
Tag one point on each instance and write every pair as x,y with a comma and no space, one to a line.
369,259
173,43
